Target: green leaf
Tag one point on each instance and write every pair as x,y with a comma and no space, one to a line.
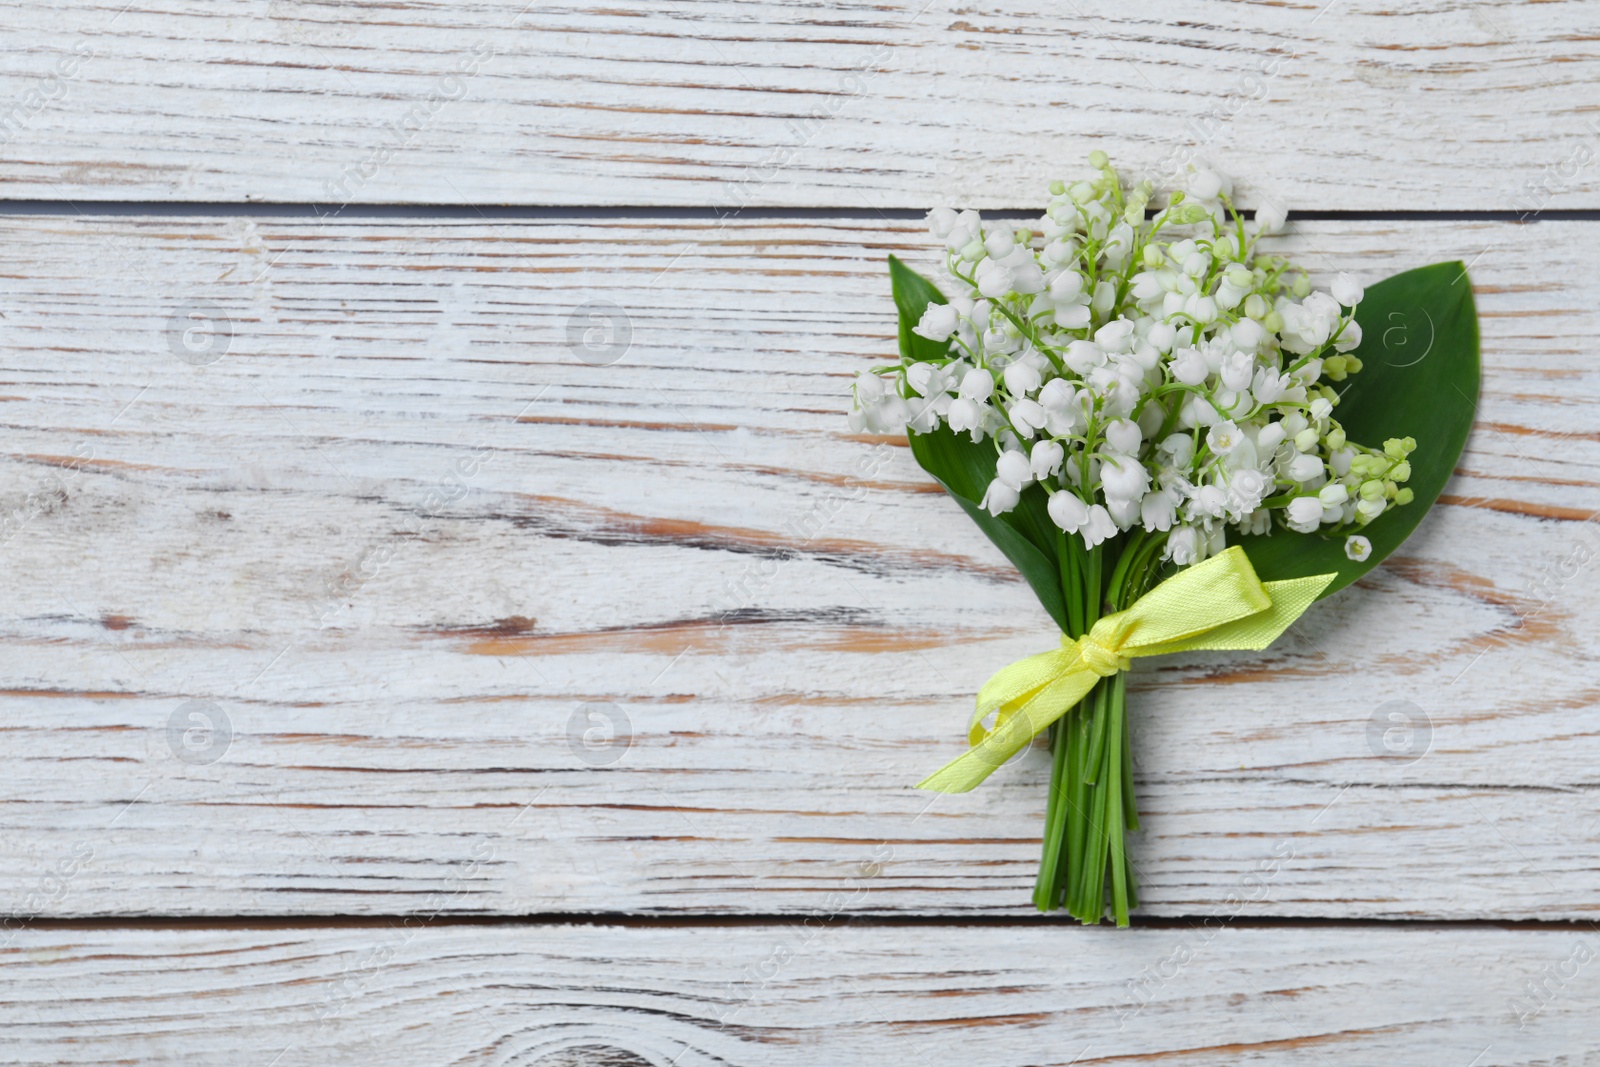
1419,378
912,295
1026,535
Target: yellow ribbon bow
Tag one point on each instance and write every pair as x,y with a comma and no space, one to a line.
1216,604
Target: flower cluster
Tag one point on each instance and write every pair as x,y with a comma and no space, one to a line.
1145,372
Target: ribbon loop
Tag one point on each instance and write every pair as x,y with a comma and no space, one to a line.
1216,604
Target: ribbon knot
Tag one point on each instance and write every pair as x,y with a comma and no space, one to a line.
1217,604
1095,651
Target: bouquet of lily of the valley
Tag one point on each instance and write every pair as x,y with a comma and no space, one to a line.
1179,444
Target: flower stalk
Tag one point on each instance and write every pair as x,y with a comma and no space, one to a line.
1084,866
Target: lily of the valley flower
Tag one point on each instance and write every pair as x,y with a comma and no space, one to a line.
1150,373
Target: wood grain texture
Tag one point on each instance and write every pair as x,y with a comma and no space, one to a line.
660,635
1351,105
759,995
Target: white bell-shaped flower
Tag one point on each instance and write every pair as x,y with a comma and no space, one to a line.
1012,468
1022,378
977,384
1099,526
1123,477
1222,437
1188,366
1268,386
1067,511
1123,435
993,279
1305,513
1028,416
1347,290
1183,546
1305,468
1046,458
1246,488
1349,338
999,240
999,498
1156,511
1082,357
965,414
1236,371
938,322
1270,218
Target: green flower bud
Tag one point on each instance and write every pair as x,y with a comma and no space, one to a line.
1255,306
1154,258
1273,322
1306,439
1372,489
1352,365
1057,187
1394,448
1301,288
1404,496
1389,489
1333,368
1335,439
1409,444
1082,192
1098,159
1401,471
1240,279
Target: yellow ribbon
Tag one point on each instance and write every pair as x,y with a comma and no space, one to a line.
1216,604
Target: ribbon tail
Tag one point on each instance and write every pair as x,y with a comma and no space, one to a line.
1290,599
1014,729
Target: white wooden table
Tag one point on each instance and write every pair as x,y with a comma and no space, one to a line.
395,671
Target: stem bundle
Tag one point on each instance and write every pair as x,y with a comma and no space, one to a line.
1090,809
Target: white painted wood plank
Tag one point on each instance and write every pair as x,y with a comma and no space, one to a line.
399,444
1351,105
775,995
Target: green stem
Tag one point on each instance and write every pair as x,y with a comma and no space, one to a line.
1116,795
1085,864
